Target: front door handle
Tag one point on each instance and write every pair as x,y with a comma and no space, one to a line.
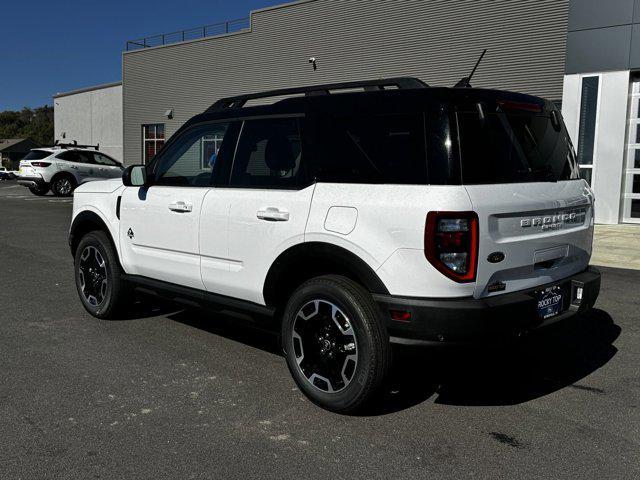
181,207
273,214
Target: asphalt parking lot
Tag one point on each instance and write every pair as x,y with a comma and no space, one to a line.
166,393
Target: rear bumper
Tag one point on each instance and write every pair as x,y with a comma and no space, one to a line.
470,320
32,181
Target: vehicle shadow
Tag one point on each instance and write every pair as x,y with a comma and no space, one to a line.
141,308
255,332
546,361
492,375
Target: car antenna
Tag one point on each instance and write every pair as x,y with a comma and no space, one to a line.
465,82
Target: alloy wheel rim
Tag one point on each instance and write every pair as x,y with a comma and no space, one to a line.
64,186
93,276
325,346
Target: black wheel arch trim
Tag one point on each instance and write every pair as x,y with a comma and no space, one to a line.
85,222
319,253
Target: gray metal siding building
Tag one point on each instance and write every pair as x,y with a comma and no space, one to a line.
437,41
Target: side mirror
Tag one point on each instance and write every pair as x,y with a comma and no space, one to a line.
135,176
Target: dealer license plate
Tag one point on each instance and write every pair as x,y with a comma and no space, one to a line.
549,302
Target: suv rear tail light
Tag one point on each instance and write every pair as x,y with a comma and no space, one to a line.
40,164
451,244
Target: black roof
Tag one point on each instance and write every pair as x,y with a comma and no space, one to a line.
406,96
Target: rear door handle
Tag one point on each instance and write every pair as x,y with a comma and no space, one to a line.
181,207
272,214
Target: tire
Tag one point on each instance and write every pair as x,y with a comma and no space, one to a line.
39,191
99,276
320,353
63,186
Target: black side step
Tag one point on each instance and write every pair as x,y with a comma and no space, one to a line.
193,297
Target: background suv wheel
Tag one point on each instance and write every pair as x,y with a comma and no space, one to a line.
63,186
39,191
335,343
98,276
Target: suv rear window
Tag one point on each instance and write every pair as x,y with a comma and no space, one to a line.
514,143
37,155
387,148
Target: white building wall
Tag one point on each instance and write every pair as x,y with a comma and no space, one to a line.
91,117
609,149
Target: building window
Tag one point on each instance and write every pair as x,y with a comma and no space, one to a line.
152,140
631,184
587,126
211,146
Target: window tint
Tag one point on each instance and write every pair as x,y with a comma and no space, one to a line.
100,159
84,157
269,154
69,156
192,158
514,147
37,155
372,149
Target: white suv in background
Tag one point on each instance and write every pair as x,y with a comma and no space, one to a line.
411,214
65,166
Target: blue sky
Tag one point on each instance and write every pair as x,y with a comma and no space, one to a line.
54,46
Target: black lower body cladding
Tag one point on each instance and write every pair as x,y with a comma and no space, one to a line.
471,320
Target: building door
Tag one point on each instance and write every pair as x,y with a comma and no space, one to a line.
631,189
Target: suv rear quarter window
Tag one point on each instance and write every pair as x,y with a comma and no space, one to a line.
37,155
385,148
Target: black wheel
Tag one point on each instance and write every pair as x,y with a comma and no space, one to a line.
335,342
98,276
40,190
63,186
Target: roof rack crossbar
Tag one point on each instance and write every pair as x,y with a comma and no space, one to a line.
368,85
75,145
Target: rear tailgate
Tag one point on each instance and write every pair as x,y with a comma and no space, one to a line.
26,170
544,230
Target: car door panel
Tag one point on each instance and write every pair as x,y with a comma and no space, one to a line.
253,243
159,241
267,201
160,225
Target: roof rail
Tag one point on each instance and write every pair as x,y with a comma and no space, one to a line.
75,145
368,85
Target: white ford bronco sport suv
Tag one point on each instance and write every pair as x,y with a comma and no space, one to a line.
401,213
65,166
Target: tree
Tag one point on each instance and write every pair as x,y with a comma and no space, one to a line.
35,124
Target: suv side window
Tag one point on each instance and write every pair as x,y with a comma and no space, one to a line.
85,157
385,148
269,155
196,156
100,159
69,156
